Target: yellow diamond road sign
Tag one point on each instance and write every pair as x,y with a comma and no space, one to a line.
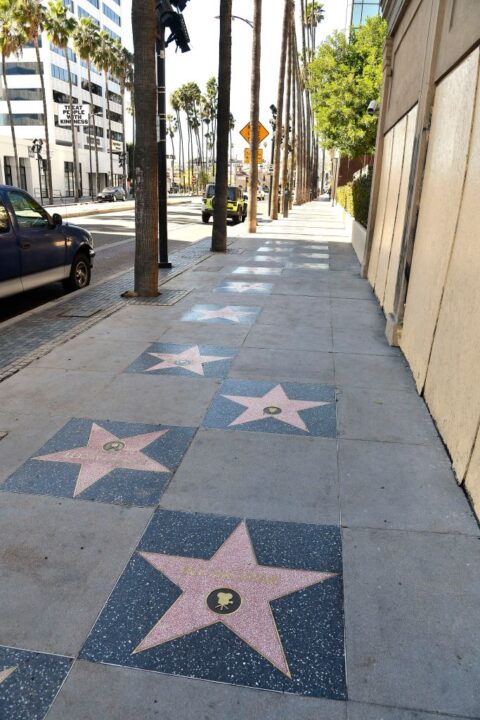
247,156
262,132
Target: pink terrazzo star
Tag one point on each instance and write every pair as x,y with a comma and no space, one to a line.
190,360
274,404
4,674
227,313
105,452
233,577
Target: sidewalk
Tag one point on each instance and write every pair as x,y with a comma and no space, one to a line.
235,506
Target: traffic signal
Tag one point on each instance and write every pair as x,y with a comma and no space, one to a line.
169,18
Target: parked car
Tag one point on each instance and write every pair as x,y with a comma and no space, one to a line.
236,203
174,189
112,194
37,248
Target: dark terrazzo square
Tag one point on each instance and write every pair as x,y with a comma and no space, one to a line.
29,683
309,620
141,487
244,288
222,314
320,421
191,361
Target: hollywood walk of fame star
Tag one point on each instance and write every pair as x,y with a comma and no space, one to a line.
274,404
4,674
226,313
241,287
105,452
191,360
231,588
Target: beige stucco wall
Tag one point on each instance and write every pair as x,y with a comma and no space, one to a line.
439,210
452,388
396,243
381,206
408,57
460,32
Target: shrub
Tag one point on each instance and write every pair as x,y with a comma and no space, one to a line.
354,197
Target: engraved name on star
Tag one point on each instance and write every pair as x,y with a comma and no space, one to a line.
226,313
231,588
4,674
275,404
191,360
105,452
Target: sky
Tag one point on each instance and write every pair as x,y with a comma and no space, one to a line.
201,62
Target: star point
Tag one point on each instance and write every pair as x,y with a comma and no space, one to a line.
105,452
4,674
244,590
226,313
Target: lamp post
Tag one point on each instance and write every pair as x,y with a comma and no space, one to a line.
273,123
173,19
237,17
36,151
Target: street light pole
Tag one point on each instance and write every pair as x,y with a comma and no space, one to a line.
273,123
162,152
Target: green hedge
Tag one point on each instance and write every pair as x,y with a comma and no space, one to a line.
355,198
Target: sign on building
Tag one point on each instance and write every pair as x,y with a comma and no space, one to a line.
80,115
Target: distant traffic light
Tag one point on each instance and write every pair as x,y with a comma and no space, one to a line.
169,18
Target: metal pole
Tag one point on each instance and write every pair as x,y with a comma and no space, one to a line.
40,176
162,153
271,174
90,151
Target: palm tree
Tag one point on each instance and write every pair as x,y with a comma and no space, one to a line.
123,72
312,17
105,59
60,27
254,113
146,169
176,103
280,97
172,128
30,15
85,43
286,143
12,39
219,233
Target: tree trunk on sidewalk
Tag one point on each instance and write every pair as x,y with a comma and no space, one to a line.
146,175
254,112
12,124
73,128
45,119
293,74
219,233
280,97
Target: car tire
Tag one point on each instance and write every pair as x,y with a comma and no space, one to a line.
80,274
205,218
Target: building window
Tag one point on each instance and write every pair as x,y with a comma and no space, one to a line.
23,175
84,13
68,166
23,119
21,94
7,170
112,34
96,89
95,3
62,74
62,98
364,9
60,51
115,117
22,68
115,136
112,15
114,97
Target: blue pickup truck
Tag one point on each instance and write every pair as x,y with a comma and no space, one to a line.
37,248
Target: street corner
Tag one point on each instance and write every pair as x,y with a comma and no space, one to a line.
255,603
222,314
184,360
244,288
29,683
110,462
287,408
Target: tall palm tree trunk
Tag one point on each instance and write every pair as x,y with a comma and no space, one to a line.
10,118
219,233
254,113
146,169
124,143
76,189
293,74
287,127
92,111
45,119
280,98
109,126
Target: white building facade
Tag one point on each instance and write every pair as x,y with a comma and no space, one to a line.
27,108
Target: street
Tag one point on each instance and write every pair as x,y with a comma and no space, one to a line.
114,235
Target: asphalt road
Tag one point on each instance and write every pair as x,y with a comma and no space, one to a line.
114,235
